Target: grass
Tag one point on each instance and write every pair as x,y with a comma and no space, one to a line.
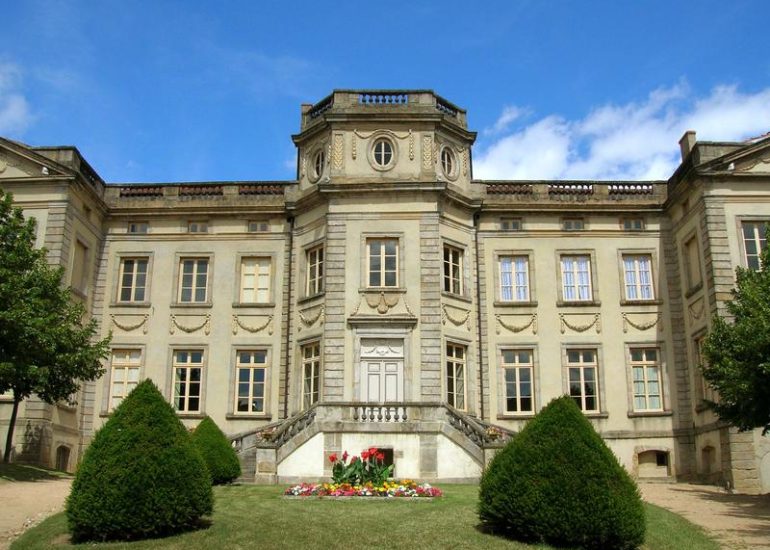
24,472
259,517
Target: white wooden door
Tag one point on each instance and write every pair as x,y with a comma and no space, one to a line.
382,370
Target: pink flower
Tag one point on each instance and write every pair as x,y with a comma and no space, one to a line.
344,456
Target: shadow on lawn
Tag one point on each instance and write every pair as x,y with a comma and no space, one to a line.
25,472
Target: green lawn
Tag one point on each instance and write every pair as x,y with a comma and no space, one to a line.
259,517
23,472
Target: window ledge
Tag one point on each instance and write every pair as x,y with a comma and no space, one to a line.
513,304
646,414
581,303
192,305
458,297
310,298
512,416
254,305
655,302
597,415
260,416
131,304
378,289
200,415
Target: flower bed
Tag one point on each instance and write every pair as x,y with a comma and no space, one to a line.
388,489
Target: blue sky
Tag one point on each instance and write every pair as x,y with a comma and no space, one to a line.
195,91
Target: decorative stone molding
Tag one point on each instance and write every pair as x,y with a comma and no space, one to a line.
239,324
463,319
129,326
189,329
594,322
338,156
641,325
530,321
307,319
354,145
427,152
411,145
385,306
696,310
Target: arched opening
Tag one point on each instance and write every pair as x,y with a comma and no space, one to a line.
63,458
653,464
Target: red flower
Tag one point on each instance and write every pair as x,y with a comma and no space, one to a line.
344,456
332,458
372,451
380,456
364,455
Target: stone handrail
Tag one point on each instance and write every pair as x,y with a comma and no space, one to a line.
293,426
480,432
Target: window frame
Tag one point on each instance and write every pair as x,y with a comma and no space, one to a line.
198,227
653,281
582,366
317,274
125,365
236,381
514,224
138,224
571,223
593,298
384,239
203,350
457,285
504,367
179,272
315,362
241,259
645,364
630,224
758,223
120,272
499,260
386,137
463,362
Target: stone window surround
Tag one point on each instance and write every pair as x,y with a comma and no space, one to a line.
464,268
170,376
665,389
117,269
240,256
470,369
301,344
597,348
691,238
81,287
739,221
532,347
571,220
591,253
310,167
376,137
107,378
498,255
304,266
364,283
178,257
656,290
232,398
448,149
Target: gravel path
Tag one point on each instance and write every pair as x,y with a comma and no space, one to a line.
738,522
27,503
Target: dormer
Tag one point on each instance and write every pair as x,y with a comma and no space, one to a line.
374,137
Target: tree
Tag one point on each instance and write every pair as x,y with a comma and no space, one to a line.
141,476
217,452
736,352
45,348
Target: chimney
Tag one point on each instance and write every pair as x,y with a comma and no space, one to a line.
305,107
687,143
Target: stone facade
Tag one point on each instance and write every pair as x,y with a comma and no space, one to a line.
387,298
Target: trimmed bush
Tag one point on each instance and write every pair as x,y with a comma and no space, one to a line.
141,476
557,482
217,453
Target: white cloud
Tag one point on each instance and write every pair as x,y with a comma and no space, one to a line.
509,116
638,140
15,113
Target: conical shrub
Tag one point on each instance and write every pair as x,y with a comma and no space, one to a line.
557,482
217,453
141,476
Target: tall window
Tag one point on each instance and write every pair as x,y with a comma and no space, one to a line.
188,378
255,280
311,373
124,377
692,263
645,370
453,269
753,242
79,279
133,279
583,370
514,278
383,262
193,279
576,278
251,373
315,270
518,368
637,271
455,375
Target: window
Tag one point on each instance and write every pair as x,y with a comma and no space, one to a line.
453,269
510,224
447,162
692,263
193,280
382,152
251,371
198,227
645,370
633,224
455,376
514,278
188,378
258,227
315,270
124,377
637,276
138,227
319,163
572,224
133,279
255,280
79,280
576,278
582,371
311,373
753,242
382,259
518,368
